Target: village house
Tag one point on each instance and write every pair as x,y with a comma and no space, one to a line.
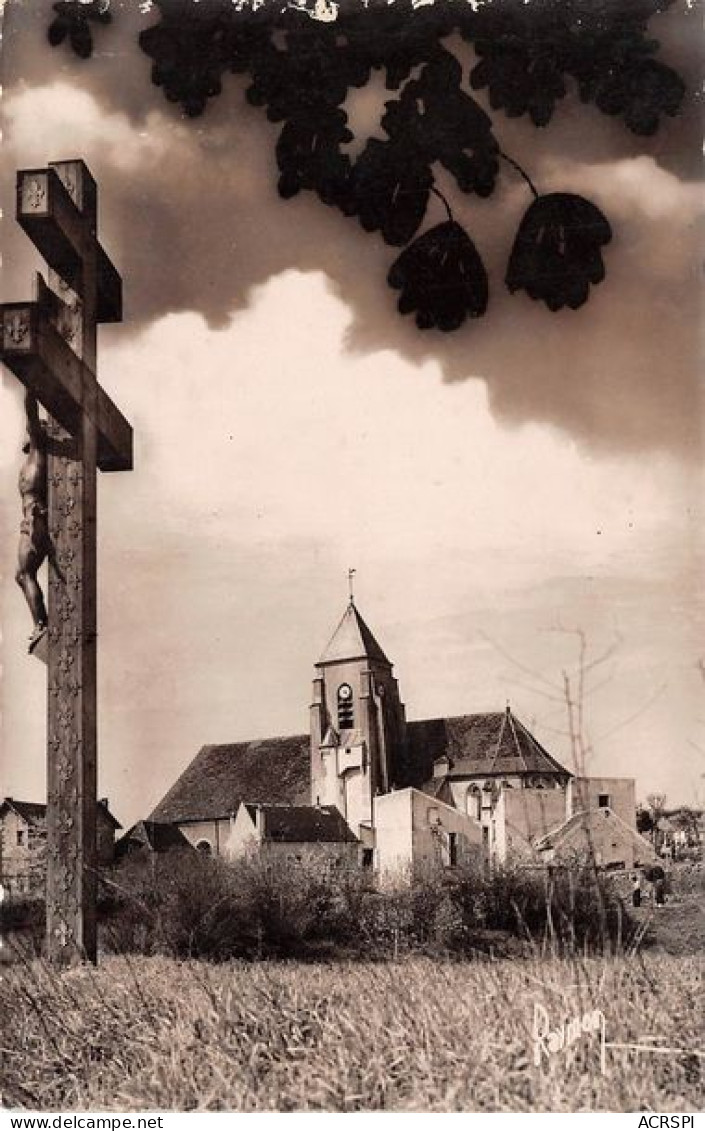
293,832
392,793
149,837
23,842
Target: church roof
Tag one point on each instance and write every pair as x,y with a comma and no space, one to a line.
274,770
488,744
303,824
352,640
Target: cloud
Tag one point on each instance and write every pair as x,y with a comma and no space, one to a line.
265,468
192,217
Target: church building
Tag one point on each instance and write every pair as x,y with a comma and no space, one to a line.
393,794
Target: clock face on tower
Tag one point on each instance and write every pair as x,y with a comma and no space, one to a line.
346,708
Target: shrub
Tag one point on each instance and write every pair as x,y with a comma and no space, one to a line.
189,905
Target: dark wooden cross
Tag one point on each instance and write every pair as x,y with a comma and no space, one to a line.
50,344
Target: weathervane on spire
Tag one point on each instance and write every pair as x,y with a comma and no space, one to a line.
351,574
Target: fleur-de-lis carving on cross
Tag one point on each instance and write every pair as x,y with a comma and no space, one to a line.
74,528
67,505
66,660
66,556
63,934
36,195
65,769
56,480
67,608
16,327
65,824
65,715
72,686
74,475
73,579
71,743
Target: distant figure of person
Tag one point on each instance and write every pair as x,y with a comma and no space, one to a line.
636,892
660,892
35,541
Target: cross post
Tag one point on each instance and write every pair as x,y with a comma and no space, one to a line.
50,344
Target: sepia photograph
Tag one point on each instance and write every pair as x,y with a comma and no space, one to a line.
352,545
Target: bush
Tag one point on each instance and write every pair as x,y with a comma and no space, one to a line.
189,905
22,913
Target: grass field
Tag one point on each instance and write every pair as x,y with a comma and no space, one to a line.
419,1034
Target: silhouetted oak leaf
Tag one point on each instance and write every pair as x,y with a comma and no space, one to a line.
522,55
557,250
390,188
436,118
312,71
641,91
402,37
309,157
72,20
189,57
442,278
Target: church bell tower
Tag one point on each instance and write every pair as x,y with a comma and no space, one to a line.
358,723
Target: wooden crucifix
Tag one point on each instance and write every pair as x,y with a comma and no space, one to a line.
50,344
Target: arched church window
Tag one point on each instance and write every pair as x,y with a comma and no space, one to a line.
346,710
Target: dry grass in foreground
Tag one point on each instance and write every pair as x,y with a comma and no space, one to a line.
155,1033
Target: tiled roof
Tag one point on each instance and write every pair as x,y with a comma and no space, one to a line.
488,744
30,811
273,770
584,820
35,811
304,824
154,835
352,640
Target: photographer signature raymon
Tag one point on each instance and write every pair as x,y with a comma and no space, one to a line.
548,1040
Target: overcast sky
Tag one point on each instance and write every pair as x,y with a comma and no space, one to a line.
495,489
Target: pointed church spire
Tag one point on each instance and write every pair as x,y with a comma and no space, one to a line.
352,640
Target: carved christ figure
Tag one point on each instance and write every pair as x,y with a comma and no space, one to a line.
35,541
